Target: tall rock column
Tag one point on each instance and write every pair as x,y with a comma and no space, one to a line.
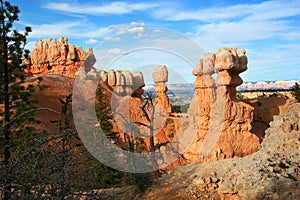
160,76
201,106
235,137
223,123
229,64
204,89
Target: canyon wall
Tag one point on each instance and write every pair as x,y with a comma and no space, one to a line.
223,125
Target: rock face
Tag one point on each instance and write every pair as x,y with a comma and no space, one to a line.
51,56
270,173
264,111
223,123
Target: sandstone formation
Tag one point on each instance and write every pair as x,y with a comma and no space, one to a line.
204,97
132,115
51,56
224,124
160,77
122,91
270,173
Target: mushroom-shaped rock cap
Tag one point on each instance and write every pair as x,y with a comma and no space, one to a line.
209,63
226,59
160,74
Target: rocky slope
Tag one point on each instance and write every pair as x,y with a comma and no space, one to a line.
49,106
273,172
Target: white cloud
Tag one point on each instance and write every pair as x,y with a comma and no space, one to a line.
114,8
91,41
274,10
240,32
53,30
208,14
75,29
242,25
112,39
159,46
137,24
83,29
136,28
261,11
115,51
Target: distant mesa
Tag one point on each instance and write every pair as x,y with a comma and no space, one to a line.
51,56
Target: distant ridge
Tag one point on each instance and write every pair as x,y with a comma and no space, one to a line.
267,85
260,85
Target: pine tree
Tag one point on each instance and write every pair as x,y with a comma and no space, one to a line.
15,99
104,116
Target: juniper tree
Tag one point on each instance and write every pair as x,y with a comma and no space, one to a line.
15,99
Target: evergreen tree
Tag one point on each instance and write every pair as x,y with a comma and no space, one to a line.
104,116
296,92
15,100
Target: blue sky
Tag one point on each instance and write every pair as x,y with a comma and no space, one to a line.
268,30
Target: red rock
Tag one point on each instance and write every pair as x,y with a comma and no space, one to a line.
57,57
212,110
160,76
